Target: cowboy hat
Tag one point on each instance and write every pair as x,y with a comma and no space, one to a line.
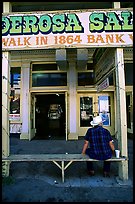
96,120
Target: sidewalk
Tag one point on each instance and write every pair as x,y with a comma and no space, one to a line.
41,181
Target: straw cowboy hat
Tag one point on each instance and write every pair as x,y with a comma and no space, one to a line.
96,120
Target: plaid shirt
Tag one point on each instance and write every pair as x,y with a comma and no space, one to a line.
99,139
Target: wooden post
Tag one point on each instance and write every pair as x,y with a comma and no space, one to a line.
5,108
72,101
25,133
7,7
62,165
5,100
116,4
121,111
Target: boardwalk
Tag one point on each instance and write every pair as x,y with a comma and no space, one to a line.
41,181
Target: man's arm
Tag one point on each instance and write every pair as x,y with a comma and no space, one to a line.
85,146
112,145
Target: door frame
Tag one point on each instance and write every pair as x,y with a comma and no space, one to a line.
32,129
130,110
33,94
94,95
82,130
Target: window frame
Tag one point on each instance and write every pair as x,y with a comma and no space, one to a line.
46,71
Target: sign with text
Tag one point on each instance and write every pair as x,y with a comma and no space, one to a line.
67,29
14,117
103,85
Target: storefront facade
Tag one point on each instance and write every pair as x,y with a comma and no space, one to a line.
63,68
78,98
76,116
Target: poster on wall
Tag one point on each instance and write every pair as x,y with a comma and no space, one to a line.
104,104
105,118
14,117
15,128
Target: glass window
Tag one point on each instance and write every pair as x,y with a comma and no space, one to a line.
104,109
49,79
126,4
111,83
44,67
86,111
128,74
15,78
90,66
85,78
54,6
128,109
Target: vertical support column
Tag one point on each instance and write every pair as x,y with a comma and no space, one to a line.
115,116
25,101
121,111
116,4
5,107
5,100
72,80
62,168
7,7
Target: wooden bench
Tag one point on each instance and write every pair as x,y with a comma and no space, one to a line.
55,158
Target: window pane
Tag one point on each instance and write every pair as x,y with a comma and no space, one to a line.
129,74
86,111
104,109
43,67
49,79
90,66
15,77
85,78
128,108
111,80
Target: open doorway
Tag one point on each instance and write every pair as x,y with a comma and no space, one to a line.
50,116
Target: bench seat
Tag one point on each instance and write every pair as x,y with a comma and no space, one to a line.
55,158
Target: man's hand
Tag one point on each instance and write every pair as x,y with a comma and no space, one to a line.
112,145
113,152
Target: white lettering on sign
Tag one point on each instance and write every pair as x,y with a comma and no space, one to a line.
103,85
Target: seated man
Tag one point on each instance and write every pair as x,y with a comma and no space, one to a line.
101,145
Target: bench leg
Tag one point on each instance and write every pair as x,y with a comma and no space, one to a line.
62,165
123,170
63,168
5,168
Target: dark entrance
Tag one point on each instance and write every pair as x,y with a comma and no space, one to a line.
50,116
128,107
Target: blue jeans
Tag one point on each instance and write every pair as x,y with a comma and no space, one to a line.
106,166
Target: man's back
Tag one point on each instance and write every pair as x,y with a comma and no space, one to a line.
99,139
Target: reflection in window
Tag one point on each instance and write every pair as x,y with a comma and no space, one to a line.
104,109
15,77
86,111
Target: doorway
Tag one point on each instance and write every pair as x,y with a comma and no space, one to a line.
50,119
129,109
93,104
